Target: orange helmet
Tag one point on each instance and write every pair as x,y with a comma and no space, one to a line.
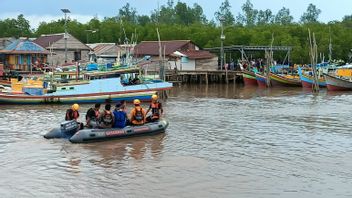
136,102
154,97
75,107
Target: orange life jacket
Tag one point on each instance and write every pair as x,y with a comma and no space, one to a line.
75,115
96,113
155,110
71,115
138,114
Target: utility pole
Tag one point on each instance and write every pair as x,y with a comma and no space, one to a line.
91,31
65,11
222,38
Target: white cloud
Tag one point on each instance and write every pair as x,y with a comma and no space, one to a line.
35,20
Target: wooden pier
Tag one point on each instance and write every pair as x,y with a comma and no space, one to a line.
203,76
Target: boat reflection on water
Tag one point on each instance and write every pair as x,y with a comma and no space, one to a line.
111,154
234,91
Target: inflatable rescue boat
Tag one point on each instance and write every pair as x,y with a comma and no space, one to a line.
70,130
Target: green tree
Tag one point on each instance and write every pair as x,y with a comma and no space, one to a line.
143,20
265,17
183,14
166,14
249,16
15,27
127,14
23,26
283,17
224,13
311,15
198,14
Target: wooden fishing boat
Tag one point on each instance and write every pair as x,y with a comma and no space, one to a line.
261,80
284,80
335,83
308,81
5,82
249,78
99,90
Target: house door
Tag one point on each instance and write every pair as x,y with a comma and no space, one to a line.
77,55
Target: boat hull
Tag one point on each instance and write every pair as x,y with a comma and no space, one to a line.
277,80
307,81
6,98
96,135
6,83
261,80
249,78
336,84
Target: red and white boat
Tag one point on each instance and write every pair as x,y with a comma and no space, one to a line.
335,83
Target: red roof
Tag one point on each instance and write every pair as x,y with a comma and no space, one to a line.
152,47
197,54
46,40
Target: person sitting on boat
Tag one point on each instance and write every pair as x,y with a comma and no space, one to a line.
106,118
156,109
120,116
137,115
92,116
73,114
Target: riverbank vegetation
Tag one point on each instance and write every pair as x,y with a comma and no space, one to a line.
182,21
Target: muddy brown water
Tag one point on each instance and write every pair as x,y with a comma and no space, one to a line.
223,141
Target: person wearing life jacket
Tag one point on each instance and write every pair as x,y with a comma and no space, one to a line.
106,118
137,115
72,113
92,116
156,109
120,116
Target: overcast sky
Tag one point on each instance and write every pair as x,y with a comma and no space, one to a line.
83,10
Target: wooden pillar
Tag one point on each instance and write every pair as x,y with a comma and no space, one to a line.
206,78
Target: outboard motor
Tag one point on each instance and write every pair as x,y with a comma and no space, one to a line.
66,130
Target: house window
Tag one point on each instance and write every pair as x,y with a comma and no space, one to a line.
184,60
77,56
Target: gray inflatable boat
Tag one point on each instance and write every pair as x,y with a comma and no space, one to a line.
94,135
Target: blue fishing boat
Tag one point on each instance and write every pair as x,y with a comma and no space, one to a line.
307,79
98,90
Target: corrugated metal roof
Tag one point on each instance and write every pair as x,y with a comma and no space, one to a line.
104,49
198,54
46,40
152,47
24,47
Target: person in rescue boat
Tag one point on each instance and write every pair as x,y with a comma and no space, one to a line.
137,115
156,109
106,118
92,116
73,114
120,115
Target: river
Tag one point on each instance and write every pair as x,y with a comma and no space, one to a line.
223,141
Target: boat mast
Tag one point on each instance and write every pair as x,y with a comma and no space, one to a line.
314,59
330,47
269,61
